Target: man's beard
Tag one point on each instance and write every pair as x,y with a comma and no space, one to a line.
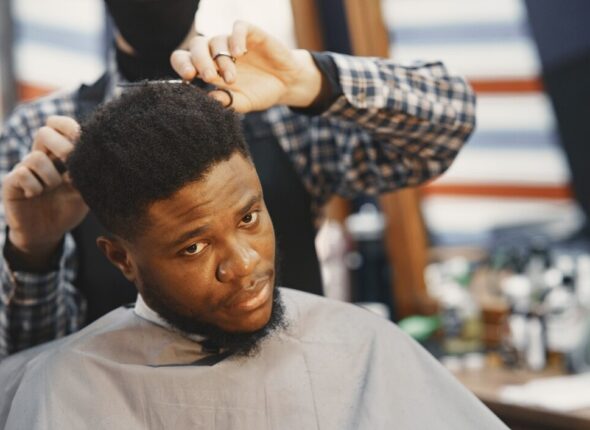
240,343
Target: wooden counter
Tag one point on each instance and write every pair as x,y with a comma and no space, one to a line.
487,383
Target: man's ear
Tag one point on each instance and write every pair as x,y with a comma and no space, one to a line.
118,254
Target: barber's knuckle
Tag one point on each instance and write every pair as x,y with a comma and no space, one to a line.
44,133
219,40
21,173
52,120
37,161
36,157
11,176
27,160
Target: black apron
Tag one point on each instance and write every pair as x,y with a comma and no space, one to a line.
287,200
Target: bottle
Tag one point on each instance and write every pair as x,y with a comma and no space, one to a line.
536,350
564,318
517,289
368,263
583,280
460,320
537,264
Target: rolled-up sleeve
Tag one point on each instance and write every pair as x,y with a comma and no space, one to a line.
393,126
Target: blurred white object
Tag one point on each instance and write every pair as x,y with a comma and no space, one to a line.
474,361
565,263
564,319
518,333
583,280
274,16
59,43
375,307
535,353
367,224
452,363
332,249
552,278
445,275
563,393
518,290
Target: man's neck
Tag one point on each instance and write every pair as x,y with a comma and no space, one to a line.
143,311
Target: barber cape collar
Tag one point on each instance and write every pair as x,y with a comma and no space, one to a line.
143,311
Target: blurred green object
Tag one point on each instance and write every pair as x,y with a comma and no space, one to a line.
420,327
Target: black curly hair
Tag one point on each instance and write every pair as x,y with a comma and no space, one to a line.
145,146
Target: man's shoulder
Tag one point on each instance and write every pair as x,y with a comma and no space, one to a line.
310,313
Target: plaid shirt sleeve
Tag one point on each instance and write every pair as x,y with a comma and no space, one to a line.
394,126
35,308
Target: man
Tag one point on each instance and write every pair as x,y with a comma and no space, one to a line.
212,343
308,146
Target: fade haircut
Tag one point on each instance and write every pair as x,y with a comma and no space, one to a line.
145,146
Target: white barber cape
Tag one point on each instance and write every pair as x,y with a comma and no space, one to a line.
336,367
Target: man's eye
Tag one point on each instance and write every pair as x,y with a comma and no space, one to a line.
250,218
195,248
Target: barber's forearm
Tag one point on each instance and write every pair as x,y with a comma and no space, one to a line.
41,306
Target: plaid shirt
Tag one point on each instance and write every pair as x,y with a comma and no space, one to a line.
393,126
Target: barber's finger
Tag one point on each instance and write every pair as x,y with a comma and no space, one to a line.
43,168
67,126
21,182
50,141
238,38
201,59
182,64
220,53
256,36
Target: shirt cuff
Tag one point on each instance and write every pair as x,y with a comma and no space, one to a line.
16,263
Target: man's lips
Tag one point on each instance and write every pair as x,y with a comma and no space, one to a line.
253,295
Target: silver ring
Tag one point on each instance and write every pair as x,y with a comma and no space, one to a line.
224,54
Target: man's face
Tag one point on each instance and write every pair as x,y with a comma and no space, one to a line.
208,252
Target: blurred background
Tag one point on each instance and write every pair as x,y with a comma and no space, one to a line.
490,258
512,172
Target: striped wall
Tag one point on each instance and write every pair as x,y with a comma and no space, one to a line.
513,170
274,16
58,43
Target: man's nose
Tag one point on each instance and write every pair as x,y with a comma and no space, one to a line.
240,261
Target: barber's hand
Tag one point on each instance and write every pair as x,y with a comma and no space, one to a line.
265,72
40,203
